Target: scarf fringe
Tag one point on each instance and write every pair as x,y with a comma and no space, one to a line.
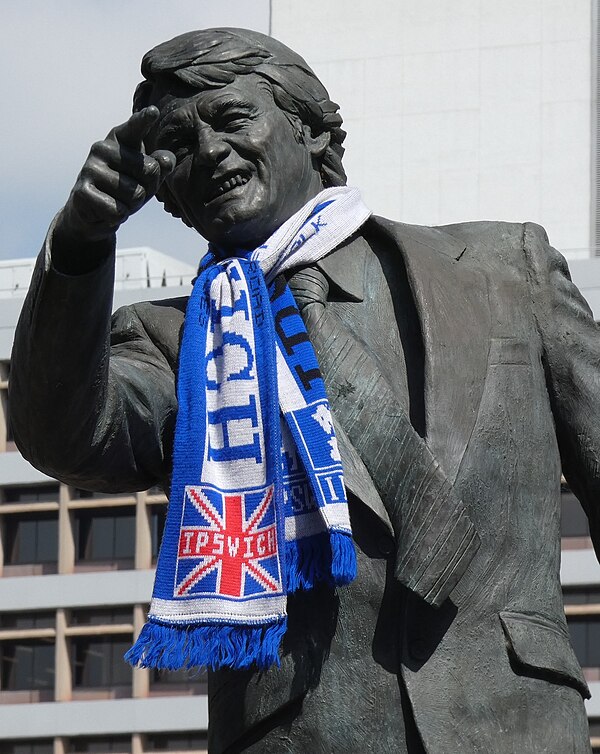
170,647
343,561
327,557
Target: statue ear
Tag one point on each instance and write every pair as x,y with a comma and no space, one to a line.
316,145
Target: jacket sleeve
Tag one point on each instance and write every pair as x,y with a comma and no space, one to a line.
571,355
91,403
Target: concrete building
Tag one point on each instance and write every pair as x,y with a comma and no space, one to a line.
76,577
462,109
455,111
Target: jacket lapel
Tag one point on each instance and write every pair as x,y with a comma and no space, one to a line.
435,537
452,303
345,270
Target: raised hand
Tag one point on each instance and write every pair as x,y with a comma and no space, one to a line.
116,180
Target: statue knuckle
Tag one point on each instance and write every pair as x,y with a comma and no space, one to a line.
78,198
88,172
84,191
151,167
139,194
98,148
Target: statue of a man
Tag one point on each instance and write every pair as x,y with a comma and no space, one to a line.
461,366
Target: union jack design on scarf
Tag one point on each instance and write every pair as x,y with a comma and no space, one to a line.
227,544
258,506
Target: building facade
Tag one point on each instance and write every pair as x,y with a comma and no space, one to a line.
461,110
455,111
76,574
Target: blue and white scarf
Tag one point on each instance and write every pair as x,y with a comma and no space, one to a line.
258,506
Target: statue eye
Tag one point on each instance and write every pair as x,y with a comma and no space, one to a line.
233,120
177,141
235,124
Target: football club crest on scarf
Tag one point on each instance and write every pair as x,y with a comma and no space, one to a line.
258,507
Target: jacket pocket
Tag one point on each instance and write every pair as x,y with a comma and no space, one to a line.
542,647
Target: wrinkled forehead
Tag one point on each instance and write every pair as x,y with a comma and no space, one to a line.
174,96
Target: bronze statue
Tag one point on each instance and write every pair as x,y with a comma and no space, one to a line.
462,369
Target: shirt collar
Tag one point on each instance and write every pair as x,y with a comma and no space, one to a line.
345,266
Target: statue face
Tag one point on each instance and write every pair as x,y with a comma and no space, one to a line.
242,168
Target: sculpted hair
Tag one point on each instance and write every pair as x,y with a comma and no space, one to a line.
213,58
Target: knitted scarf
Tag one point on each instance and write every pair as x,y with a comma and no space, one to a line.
257,507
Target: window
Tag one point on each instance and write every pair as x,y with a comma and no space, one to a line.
102,616
158,516
87,495
27,665
192,741
10,435
30,538
581,596
585,637
37,494
26,620
4,412
188,678
105,535
97,661
595,734
100,745
35,746
574,522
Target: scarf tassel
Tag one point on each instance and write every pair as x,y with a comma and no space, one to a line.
170,647
343,562
327,557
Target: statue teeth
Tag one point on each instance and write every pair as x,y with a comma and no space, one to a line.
236,180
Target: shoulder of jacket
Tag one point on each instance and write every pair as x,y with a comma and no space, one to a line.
159,321
148,311
478,235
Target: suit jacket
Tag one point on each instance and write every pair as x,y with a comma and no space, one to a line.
511,393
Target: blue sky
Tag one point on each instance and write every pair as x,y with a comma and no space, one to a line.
68,70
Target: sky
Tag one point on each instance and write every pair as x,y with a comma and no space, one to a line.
68,72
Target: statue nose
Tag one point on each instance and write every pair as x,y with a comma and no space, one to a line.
211,148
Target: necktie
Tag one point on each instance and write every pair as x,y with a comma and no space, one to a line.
435,537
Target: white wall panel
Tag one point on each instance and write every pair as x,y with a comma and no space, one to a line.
114,716
94,589
510,22
493,96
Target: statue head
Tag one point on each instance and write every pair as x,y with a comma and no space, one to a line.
253,130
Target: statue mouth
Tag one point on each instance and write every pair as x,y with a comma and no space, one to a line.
225,184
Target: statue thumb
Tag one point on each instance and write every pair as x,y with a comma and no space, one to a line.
166,162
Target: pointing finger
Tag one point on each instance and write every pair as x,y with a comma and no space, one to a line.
165,162
132,132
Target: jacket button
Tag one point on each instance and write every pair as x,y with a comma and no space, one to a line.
419,649
386,546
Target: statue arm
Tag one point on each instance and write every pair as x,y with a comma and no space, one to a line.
571,354
91,404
